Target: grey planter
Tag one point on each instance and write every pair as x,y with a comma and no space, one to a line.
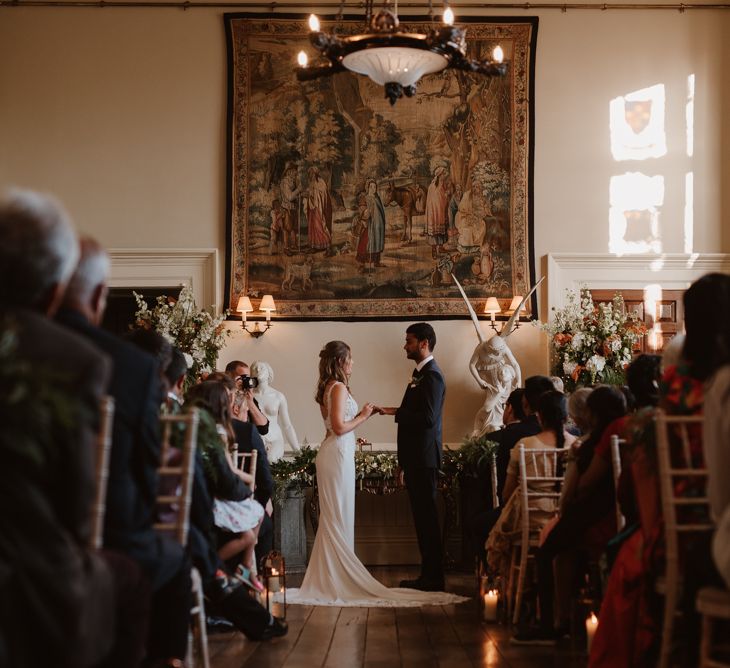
290,533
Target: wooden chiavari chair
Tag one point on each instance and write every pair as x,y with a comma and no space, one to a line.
246,462
103,452
685,507
542,482
712,604
616,444
180,470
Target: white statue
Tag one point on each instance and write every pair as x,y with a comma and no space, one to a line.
495,368
273,405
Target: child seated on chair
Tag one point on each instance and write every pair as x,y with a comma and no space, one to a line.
236,514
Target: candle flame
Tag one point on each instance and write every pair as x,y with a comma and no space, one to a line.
498,54
313,23
448,16
302,59
593,619
492,592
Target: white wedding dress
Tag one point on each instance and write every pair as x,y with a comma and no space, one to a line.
335,576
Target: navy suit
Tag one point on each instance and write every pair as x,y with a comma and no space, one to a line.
419,419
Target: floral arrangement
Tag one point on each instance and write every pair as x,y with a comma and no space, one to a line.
196,333
592,343
470,458
375,465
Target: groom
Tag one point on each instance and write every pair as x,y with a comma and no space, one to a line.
419,451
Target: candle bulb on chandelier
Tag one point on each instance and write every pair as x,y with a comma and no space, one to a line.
313,23
498,54
448,16
302,59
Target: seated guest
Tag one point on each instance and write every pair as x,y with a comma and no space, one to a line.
135,458
514,429
236,515
551,414
226,595
58,598
244,404
628,632
587,521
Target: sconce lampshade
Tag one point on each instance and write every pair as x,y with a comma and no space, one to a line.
267,304
492,306
515,303
244,305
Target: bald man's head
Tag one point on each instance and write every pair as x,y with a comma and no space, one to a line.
87,289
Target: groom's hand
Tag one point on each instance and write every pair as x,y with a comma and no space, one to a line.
386,410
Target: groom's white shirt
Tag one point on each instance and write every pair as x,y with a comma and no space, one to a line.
423,363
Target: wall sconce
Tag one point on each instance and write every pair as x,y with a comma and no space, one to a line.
492,308
267,305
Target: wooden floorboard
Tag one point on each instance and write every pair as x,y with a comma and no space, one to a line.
451,636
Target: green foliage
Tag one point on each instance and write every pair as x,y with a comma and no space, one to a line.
472,457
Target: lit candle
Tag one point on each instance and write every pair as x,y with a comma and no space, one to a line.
313,23
274,580
498,54
302,59
491,599
448,16
591,626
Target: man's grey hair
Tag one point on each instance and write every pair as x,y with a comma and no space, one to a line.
38,247
91,271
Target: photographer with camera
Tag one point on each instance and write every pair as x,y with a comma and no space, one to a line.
244,401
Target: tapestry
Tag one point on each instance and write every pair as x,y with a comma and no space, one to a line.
344,207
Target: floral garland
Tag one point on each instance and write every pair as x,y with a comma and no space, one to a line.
592,344
378,470
198,334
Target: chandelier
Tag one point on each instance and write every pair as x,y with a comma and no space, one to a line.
393,59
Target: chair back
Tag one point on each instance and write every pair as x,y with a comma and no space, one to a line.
541,478
246,462
180,468
493,478
616,444
682,479
103,452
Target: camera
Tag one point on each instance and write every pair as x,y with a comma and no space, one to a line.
248,383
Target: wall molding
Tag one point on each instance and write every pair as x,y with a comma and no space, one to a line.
163,267
673,271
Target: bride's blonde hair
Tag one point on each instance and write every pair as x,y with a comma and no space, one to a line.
332,360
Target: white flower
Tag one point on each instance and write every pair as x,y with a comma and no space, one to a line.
569,367
188,359
615,345
577,341
596,363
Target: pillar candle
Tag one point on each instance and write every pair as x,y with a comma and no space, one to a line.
591,626
490,605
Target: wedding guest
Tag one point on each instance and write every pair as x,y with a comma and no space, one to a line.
135,458
628,633
552,415
236,515
58,597
593,510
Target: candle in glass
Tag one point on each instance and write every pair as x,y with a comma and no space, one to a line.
591,626
274,585
491,598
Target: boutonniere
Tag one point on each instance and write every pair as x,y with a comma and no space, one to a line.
414,381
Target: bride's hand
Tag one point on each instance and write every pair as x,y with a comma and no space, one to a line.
367,410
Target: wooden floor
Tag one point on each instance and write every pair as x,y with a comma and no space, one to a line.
383,637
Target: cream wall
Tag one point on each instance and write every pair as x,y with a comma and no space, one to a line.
121,113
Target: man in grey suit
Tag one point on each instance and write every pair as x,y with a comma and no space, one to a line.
57,597
419,419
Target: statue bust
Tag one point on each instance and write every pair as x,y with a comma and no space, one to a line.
273,404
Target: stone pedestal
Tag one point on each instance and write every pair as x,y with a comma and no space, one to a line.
290,533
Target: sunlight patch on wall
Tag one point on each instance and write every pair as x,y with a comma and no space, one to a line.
652,302
689,222
637,124
689,114
633,216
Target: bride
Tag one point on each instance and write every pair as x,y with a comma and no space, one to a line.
335,576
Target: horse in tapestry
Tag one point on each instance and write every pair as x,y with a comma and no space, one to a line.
411,199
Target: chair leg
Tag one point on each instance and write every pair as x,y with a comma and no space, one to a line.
511,581
706,642
199,621
670,609
520,581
